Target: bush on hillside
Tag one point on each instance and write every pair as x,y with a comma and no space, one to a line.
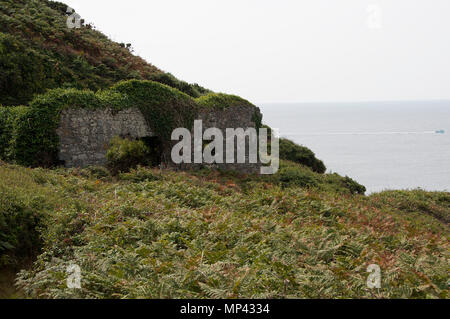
221,101
5,131
300,154
125,154
193,90
15,146
336,181
353,186
24,71
19,219
292,176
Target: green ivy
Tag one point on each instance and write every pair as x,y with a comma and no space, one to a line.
5,130
28,134
164,108
221,101
19,220
9,120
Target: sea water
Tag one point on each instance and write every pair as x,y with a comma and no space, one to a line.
382,145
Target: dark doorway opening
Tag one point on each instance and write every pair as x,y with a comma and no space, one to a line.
154,144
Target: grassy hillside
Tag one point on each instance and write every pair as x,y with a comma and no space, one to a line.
39,52
162,234
46,66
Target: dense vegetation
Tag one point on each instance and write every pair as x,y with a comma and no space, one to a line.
124,154
193,90
28,134
161,234
221,101
300,154
164,108
292,152
38,52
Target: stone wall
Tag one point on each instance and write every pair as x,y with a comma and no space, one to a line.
84,134
231,117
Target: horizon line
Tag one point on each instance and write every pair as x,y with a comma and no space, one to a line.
355,102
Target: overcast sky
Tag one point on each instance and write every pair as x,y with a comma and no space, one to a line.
289,50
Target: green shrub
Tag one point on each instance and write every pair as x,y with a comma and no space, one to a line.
125,154
300,154
19,219
5,131
193,90
165,108
34,140
353,186
17,118
295,176
24,71
9,117
336,182
221,101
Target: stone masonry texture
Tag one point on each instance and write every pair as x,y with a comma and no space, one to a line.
84,134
